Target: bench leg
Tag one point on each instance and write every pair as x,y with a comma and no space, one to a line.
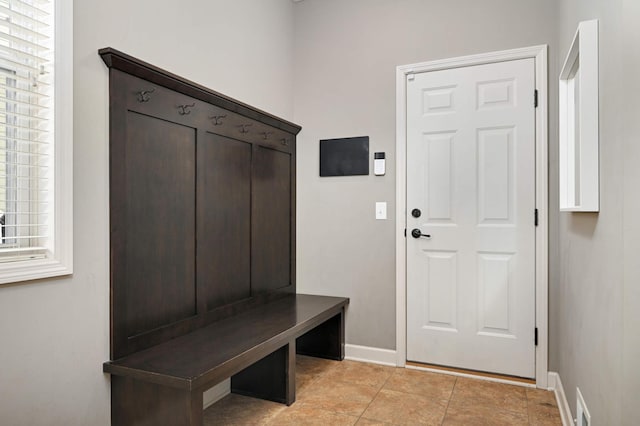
134,402
272,378
324,341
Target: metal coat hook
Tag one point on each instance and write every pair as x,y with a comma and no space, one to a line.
184,109
265,135
217,119
143,95
244,129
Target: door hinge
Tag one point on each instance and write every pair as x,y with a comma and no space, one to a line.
535,98
535,218
535,338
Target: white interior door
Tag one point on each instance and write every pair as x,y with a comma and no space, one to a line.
471,174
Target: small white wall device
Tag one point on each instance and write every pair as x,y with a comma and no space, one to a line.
378,164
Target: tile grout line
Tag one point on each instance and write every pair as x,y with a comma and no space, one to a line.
529,394
504,409
376,395
323,375
315,378
449,401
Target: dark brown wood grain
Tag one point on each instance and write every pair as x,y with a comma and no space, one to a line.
134,402
115,59
117,212
228,247
202,211
224,219
213,353
271,211
160,212
257,349
324,341
270,378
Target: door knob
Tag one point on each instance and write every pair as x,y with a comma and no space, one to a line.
416,213
416,233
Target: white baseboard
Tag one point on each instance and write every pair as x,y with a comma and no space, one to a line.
371,355
552,378
216,393
561,399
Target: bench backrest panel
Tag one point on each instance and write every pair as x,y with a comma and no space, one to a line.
202,192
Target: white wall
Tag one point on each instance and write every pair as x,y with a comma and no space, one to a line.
631,207
54,334
594,281
346,53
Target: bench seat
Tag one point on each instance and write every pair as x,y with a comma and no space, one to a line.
256,348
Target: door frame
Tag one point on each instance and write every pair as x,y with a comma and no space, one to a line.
539,54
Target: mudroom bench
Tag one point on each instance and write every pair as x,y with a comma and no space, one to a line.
257,349
202,192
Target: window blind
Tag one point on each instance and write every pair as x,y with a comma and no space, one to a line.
26,128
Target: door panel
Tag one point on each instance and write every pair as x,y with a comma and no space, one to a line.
471,171
494,294
495,176
439,298
438,176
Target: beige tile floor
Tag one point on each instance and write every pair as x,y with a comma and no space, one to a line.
355,393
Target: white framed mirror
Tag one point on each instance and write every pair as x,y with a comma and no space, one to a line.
579,128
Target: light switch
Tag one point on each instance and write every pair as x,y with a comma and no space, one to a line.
381,210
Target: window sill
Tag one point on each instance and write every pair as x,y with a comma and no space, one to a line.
29,270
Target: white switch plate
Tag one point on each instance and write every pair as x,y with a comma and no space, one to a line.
381,210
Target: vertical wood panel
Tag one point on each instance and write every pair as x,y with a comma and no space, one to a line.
271,378
224,220
271,215
117,208
181,206
160,222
